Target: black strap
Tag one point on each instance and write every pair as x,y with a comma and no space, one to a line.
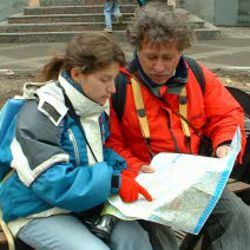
119,97
73,114
197,70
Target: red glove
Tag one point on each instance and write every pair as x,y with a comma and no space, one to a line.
130,189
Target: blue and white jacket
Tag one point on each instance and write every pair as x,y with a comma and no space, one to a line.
55,171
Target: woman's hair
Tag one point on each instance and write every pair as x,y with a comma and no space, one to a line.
89,52
155,23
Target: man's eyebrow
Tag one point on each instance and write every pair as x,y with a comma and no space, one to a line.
151,53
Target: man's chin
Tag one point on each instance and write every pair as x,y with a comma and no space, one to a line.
160,81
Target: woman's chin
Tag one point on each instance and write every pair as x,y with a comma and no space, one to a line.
102,101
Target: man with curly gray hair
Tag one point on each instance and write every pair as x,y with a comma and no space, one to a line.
167,84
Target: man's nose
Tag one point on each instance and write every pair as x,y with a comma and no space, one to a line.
159,66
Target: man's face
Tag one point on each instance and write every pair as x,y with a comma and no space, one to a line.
159,61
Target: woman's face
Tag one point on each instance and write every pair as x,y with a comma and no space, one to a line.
97,86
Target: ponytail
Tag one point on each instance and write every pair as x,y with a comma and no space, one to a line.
51,70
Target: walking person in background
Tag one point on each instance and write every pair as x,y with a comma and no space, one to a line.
111,7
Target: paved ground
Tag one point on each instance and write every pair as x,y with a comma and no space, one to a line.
232,52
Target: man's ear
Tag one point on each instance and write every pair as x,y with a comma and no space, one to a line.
74,73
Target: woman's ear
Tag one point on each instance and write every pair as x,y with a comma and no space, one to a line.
74,73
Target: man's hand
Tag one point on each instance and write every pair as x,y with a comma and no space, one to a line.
147,169
222,151
130,189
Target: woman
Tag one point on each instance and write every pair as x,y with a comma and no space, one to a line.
61,165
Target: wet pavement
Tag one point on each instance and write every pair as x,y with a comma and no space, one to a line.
232,52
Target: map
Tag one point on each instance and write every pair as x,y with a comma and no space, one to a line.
185,189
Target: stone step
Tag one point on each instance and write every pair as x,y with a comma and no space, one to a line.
73,9
65,26
50,27
30,37
207,34
69,26
53,22
244,19
195,22
78,2
19,18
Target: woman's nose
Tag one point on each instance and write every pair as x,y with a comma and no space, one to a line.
112,88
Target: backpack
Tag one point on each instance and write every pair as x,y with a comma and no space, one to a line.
240,171
8,115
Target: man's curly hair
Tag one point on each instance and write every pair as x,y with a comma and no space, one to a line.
155,23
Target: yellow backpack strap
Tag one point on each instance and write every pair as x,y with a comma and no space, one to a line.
7,176
139,105
183,111
141,113
7,233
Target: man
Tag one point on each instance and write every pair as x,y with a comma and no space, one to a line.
159,39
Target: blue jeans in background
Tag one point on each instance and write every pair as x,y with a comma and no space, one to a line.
111,8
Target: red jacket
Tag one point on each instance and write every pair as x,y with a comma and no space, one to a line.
215,113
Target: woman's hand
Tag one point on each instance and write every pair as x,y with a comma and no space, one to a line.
147,169
130,189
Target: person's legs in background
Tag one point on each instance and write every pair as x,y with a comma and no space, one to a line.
108,9
117,11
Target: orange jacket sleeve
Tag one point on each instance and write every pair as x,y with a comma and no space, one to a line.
223,112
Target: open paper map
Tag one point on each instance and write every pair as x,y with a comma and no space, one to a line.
185,189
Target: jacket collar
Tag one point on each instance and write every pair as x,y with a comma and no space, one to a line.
83,106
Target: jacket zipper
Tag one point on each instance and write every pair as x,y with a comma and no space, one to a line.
75,146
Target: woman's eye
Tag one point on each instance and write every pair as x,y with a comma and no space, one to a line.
104,80
167,58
